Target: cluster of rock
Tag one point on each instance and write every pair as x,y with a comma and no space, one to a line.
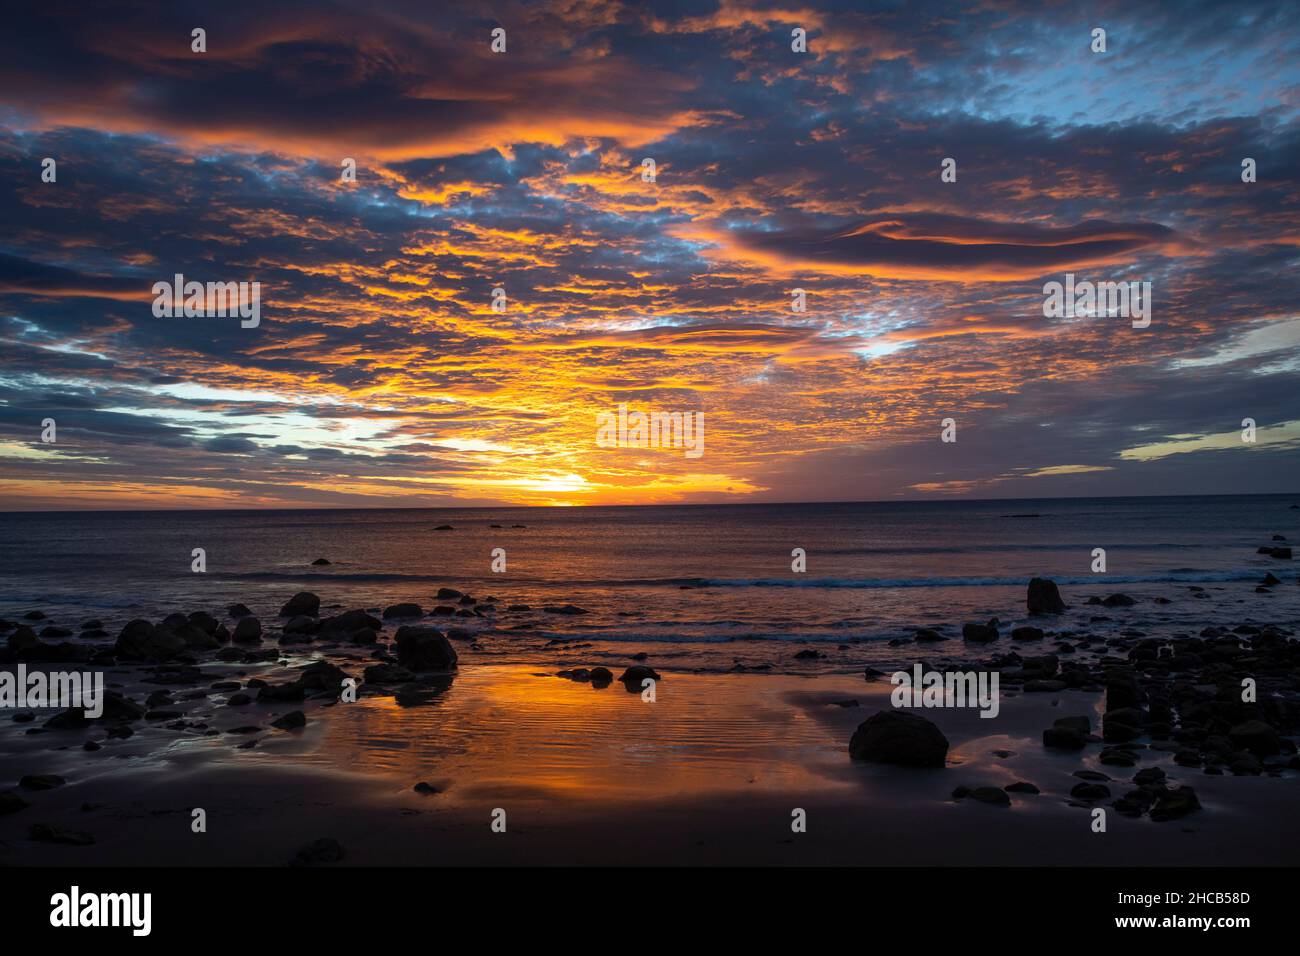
1182,697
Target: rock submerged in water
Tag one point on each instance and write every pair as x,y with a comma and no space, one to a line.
979,633
1043,597
899,737
990,795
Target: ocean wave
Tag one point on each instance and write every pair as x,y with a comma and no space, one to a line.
1100,582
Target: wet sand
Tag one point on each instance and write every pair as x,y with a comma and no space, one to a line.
708,774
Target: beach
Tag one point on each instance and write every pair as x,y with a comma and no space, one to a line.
471,728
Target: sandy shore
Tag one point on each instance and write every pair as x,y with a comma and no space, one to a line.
708,774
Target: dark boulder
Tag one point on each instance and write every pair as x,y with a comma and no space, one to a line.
143,641
1043,597
979,633
424,649
248,631
899,737
634,675
304,602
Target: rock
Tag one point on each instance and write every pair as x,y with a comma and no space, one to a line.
294,720
925,635
1174,803
248,631
403,610
899,737
1122,725
348,622
322,676
564,609
1122,692
41,781
1270,580
1118,600
427,789
423,649
142,641
324,850
365,635
1064,738
34,616
979,633
1246,765
388,674
447,594
24,639
204,621
74,718
1148,776
444,527
302,624
1043,597
1282,553
238,610
808,654
1026,633
1021,786
637,673
304,602
50,630
991,795
1257,737
601,677
1090,791
1081,724
281,693
320,562
47,833
11,802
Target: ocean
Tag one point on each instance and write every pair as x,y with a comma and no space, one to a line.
716,582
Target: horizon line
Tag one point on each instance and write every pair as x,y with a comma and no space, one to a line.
683,504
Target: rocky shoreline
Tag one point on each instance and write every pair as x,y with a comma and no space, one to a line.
1225,701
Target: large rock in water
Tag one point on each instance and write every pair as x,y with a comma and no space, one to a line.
424,649
898,737
304,602
1043,597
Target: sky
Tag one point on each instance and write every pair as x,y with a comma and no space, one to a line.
381,375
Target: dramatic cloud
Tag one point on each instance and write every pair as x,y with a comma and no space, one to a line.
382,373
